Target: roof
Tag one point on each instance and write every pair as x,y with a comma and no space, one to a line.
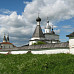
38,19
38,32
50,34
70,35
4,38
52,31
7,38
6,43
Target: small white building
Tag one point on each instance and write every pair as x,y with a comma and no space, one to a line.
71,40
6,43
50,36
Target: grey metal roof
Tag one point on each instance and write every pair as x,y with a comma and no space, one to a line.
7,38
38,32
52,31
70,35
50,34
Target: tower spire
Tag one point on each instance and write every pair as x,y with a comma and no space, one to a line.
52,27
8,38
47,20
38,14
4,39
48,27
52,30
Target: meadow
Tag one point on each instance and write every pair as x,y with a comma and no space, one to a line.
36,64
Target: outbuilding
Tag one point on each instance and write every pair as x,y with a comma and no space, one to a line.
71,40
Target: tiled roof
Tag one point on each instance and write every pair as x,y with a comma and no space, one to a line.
70,35
6,43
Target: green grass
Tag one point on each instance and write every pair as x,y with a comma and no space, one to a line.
37,64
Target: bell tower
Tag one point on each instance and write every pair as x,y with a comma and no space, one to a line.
48,27
4,39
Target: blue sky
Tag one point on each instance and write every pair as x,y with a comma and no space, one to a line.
17,17
13,5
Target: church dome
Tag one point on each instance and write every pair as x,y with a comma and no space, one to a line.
38,19
52,32
48,27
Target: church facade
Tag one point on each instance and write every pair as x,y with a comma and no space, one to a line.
6,43
48,37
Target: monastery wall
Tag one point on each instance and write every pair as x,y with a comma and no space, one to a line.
50,45
43,46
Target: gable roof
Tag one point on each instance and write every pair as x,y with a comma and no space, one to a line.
38,32
70,35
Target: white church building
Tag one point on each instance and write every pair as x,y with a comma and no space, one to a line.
6,43
48,37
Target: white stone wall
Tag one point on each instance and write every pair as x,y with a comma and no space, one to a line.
54,51
6,46
71,42
32,42
37,38
47,30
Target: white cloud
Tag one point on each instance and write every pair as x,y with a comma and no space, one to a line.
5,11
22,26
55,9
57,31
67,26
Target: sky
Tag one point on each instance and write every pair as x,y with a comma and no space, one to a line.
18,18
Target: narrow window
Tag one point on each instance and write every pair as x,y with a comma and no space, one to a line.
9,46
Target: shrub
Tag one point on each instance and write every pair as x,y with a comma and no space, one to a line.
38,43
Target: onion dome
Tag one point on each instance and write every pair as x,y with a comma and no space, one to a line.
52,32
38,19
48,26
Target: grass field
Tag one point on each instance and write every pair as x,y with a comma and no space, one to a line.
37,64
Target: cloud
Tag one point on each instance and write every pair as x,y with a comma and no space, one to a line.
55,9
5,11
21,27
69,30
67,26
57,31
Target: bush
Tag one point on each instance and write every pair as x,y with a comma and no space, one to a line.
38,43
